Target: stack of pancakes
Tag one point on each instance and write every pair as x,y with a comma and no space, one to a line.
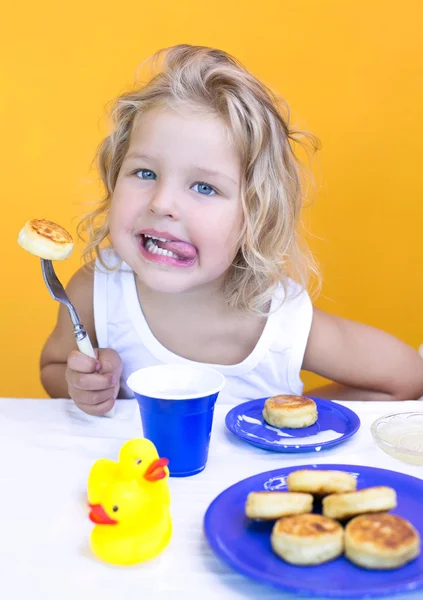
371,538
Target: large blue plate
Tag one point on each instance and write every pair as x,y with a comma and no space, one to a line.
245,545
335,424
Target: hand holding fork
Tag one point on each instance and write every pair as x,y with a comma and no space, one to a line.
79,373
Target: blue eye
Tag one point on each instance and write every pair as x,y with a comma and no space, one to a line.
204,189
145,174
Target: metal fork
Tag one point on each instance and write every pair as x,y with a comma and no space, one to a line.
57,291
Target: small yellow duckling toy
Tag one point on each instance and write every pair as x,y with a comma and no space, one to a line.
130,525
139,461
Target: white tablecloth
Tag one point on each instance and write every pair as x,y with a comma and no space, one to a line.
47,449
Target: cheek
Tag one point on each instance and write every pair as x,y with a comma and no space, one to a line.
121,214
230,224
220,233
115,221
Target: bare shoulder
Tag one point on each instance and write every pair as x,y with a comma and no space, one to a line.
80,290
81,284
61,340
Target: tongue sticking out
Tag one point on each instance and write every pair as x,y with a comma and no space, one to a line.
182,249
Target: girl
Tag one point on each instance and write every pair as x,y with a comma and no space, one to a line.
202,261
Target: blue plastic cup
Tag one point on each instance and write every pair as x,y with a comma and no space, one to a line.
176,403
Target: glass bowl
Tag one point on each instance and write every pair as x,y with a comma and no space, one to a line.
401,436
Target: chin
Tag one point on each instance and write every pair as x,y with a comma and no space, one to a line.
165,282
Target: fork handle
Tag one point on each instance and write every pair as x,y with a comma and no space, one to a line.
86,347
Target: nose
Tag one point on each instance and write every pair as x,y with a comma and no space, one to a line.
163,203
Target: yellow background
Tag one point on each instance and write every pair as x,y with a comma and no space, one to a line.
352,73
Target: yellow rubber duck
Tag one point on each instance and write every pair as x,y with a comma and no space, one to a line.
139,461
130,525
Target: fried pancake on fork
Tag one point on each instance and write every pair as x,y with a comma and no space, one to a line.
46,239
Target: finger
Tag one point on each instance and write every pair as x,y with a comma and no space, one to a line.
82,363
90,382
110,360
97,409
92,398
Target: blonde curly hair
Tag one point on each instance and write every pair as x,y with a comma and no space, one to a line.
270,250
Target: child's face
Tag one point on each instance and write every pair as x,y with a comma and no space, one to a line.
180,182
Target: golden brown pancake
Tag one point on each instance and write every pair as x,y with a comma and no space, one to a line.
381,541
321,482
307,539
369,500
292,412
46,239
273,505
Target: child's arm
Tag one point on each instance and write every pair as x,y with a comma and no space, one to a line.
365,363
66,372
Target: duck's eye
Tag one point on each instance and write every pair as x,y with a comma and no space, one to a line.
138,461
115,508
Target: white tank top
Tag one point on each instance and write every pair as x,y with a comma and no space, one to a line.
272,368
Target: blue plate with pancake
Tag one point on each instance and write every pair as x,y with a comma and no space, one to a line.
245,545
335,424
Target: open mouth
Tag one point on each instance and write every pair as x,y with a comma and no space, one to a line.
171,251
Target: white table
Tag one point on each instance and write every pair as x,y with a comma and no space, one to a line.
47,449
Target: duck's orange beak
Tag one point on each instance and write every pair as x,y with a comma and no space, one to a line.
99,516
156,470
